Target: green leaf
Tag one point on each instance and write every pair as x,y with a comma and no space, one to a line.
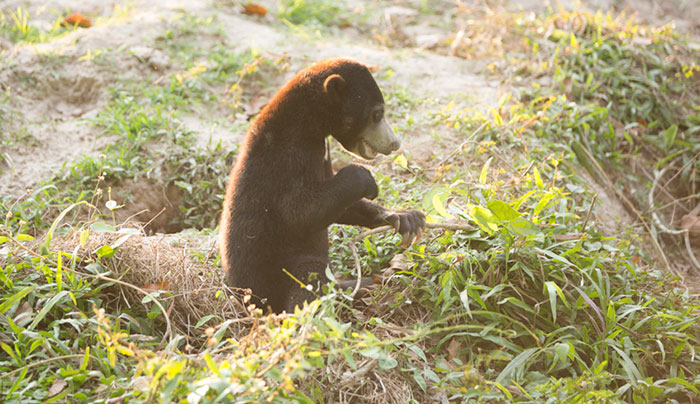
552,292
59,273
15,298
498,120
464,298
100,227
517,363
49,234
439,207
420,381
542,203
538,179
9,351
120,241
522,227
684,383
24,237
562,351
485,219
184,185
86,358
629,366
385,361
401,161
48,306
17,383
670,136
204,320
555,256
105,251
211,364
502,211
485,171
84,236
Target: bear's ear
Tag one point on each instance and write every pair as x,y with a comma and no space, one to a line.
334,86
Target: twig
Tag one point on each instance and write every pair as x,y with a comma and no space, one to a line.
663,228
168,330
45,361
459,148
382,229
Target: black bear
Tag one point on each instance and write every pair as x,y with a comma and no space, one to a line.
282,194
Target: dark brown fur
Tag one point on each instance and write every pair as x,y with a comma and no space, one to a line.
282,194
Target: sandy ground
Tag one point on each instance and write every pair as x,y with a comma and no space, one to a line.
58,102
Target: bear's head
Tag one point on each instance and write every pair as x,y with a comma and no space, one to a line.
362,127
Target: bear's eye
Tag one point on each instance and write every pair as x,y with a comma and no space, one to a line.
377,116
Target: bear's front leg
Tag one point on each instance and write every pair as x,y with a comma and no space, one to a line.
317,206
408,223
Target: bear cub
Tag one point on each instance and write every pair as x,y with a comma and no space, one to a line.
283,194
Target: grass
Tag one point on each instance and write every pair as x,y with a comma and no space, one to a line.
15,25
539,303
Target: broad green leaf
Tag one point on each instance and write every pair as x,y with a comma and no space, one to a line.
416,350
502,211
105,251
670,136
485,219
439,207
101,227
401,161
24,237
562,351
15,298
464,298
522,227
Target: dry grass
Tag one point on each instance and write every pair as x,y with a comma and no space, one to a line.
190,288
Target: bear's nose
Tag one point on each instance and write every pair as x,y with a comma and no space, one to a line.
395,144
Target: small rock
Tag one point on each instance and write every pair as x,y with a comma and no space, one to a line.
398,11
427,40
154,58
5,44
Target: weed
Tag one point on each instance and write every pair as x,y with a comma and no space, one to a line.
16,26
536,304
